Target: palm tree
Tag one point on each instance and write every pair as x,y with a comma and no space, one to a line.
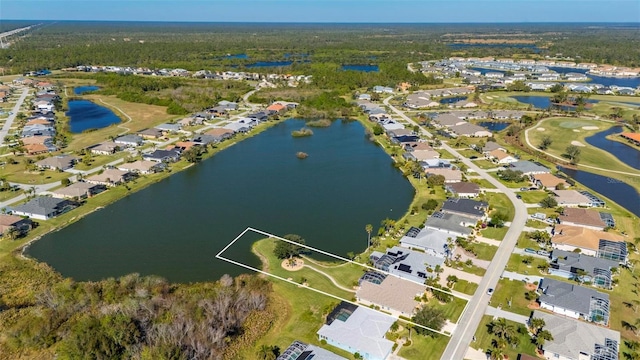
535,324
542,337
266,353
368,228
502,329
497,353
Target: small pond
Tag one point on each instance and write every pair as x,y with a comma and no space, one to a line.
452,100
361,67
85,115
494,126
79,90
543,102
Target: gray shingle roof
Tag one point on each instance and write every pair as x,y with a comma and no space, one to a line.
566,260
472,208
568,295
41,205
528,167
450,222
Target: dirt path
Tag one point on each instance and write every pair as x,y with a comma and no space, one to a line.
330,278
322,265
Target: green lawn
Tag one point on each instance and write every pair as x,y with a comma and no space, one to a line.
444,154
6,195
536,224
423,347
452,310
476,270
532,197
484,183
495,233
100,160
17,173
485,164
484,339
501,202
509,184
563,131
515,264
514,291
465,287
469,153
345,274
484,251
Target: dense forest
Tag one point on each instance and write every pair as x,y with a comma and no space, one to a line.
195,46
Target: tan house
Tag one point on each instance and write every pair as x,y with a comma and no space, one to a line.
590,242
450,175
9,222
501,157
79,190
548,181
588,218
111,177
143,167
392,294
105,148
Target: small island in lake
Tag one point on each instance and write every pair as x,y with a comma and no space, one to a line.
302,155
302,132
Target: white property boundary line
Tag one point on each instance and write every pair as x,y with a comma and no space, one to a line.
219,256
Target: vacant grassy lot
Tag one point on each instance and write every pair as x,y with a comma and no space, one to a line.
484,164
484,251
495,233
17,173
484,339
532,197
465,287
511,290
500,202
423,347
515,264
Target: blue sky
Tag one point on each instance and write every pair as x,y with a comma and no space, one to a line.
422,11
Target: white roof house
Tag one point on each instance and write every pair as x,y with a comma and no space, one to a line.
362,331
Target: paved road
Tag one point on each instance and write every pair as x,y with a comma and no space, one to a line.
16,109
95,169
470,319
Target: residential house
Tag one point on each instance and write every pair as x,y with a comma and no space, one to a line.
548,181
588,218
182,146
143,167
260,116
277,108
450,175
301,351
43,207
204,140
574,301
238,126
569,198
491,146
382,89
38,130
129,140
60,162
590,242
577,340
631,137
151,133
529,167
463,189
15,225
432,242
501,157
448,120
44,105
452,224
228,104
472,130
432,164
105,148
464,104
78,190
422,155
190,121
220,134
111,177
393,295
165,156
465,207
407,264
37,149
595,270
357,329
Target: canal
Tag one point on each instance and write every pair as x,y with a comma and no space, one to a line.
174,228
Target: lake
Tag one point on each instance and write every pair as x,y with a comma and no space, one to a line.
463,46
543,102
259,64
174,228
603,80
494,126
623,194
79,90
84,115
623,152
362,68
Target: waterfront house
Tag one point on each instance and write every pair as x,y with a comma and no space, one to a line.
165,156
105,148
596,270
17,225
571,198
463,189
43,207
574,301
393,295
431,241
431,164
452,224
220,134
129,140
450,175
143,167
472,130
548,181
473,209
301,351
60,162
631,137
151,133
38,130
111,177
78,190
277,108
529,167
590,242
588,218
357,329
421,155
573,339
407,264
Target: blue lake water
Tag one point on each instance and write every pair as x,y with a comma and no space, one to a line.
623,152
259,64
543,102
606,81
494,126
236,56
484,71
361,67
463,46
452,100
79,90
623,194
84,115
174,228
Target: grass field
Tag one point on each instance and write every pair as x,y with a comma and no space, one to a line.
515,263
465,287
484,183
484,164
17,173
100,160
501,202
484,251
564,131
495,233
533,196
509,184
511,290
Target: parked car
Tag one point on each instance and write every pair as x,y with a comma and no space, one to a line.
530,251
490,291
518,196
524,189
543,253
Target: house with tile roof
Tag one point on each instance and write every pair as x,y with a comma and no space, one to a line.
549,181
588,218
590,242
393,295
